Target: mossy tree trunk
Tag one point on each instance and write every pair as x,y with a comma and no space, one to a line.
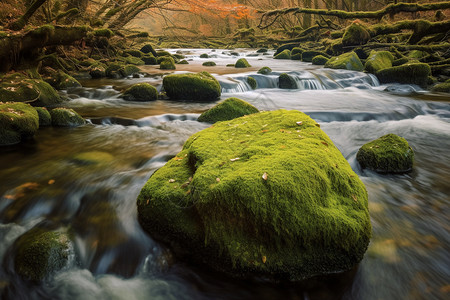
23,20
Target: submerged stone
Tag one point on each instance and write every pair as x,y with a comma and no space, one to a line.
93,158
346,61
141,92
192,86
65,117
286,81
415,73
242,63
18,121
252,82
387,154
266,194
40,252
229,109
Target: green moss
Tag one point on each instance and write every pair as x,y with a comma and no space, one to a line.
97,72
40,252
387,154
141,92
93,158
112,71
64,117
149,60
104,32
128,70
209,64
415,73
62,81
309,216
346,61
265,70
162,53
200,86
355,34
147,48
18,121
183,62
285,54
204,55
308,55
262,50
400,61
252,82
417,54
378,60
286,81
179,56
319,60
228,109
44,116
22,89
168,64
134,53
230,65
296,50
133,60
242,63
297,56
442,87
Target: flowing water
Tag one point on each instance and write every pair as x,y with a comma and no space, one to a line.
44,184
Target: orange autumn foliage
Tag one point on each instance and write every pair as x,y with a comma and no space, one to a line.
214,8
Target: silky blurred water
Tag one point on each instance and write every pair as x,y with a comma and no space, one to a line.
43,184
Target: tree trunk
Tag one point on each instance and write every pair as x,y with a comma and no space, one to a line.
23,20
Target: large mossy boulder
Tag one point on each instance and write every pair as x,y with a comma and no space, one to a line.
355,34
266,194
346,61
66,117
40,253
229,109
285,54
242,63
149,60
387,154
415,73
141,92
168,63
18,121
378,60
286,81
192,86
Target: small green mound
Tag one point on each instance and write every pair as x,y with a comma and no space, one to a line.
146,49
167,64
265,70
62,81
296,56
252,82
286,81
93,158
265,194
296,50
319,60
308,55
39,253
441,87
131,60
209,64
346,61
149,60
141,92
414,73
134,53
285,54
192,86
128,70
44,116
242,63
262,50
112,71
204,55
64,117
378,60
183,62
229,109
230,65
104,32
387,154
18,121
162,53
355,34
97,72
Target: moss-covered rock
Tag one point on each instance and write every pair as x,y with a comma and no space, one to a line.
141,92
355,34
297,56
262,50
346,61
128,70
265,70
192,86
44,116
252,82
18,121
162,53
296,50
149,60
62,81
103,32
228,109
308,55
285,54
286,81
209,64
319,60
131,60
242,63
266,194
387,154
147,48
167,64
134,53
415,73
40,252
112,71
64,117
183,62
378,60
400,61
97,72
442,87
204,55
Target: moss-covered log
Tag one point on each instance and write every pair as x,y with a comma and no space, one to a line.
404,47
391,10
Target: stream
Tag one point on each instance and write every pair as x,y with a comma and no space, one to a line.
44,184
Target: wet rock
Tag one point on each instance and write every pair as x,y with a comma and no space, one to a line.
286,81
229,109
265,70
308,55
346,61
167,64
44,116
286,54
204,55
387,154
209,64
18,121
149,60
147,48
128,70
141,92
65,117
378,60
252,82
355,34
192,86
308,217
319,60
242,63
413,73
